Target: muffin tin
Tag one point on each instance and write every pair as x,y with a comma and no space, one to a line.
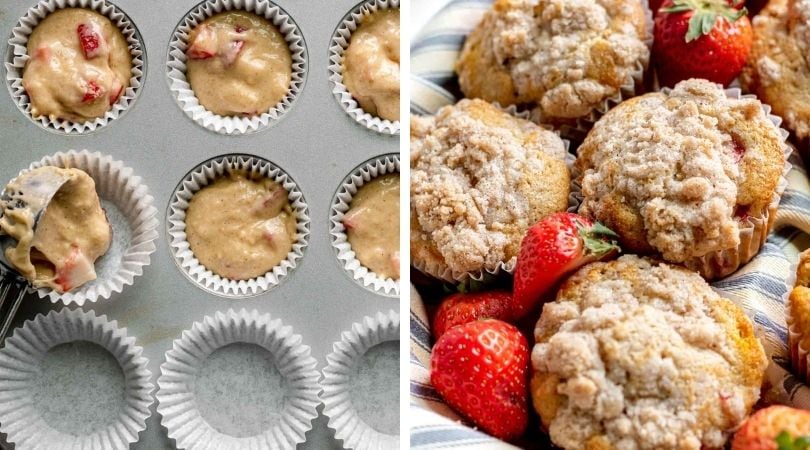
317,144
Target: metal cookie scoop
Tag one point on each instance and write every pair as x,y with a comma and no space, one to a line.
26,196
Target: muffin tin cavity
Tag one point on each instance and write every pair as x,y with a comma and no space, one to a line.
360,384
72,379
201,176
337,47
181,88
17,56
375,167
238,380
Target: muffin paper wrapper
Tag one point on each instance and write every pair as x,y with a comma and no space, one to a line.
205,174
134,225
20,361
381,165
797,352
343,418
442,272
754,231
178,406
15,64
181,88
338,46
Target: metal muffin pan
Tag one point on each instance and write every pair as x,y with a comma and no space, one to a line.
316,143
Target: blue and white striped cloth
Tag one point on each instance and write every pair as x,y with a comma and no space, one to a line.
759,287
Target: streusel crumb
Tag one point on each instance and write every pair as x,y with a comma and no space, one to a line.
564,57
677,174
479,178
637,354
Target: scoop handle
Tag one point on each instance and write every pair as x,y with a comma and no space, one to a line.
12,291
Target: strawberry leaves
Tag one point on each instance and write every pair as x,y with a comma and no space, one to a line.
786,442
705,14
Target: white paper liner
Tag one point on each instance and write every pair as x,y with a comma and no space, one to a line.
754,231
337,47
18,56
133,222
381,165
177,404
20,361
343,418
201,176
181,88
440,270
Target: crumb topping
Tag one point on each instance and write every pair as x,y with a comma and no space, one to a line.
480,177
564,56
643,355
678,173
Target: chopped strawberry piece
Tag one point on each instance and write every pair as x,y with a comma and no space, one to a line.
74,271
92,92
741,213
240,29
739,150
90,39
234,48
43,53
204,45
350,221
116,91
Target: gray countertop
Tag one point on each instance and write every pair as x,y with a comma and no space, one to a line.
316,142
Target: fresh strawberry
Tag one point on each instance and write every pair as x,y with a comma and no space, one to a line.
480,369
553,248
461,308
240,29
774,428
116,91
74,271
707,39
43,53
232,52
92,91
204,44
655,5
90,39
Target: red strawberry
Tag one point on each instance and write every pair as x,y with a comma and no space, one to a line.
774,428
707,39
232,52
553,248
204,44
654,5
90,39
116,91
461,308
480,369
91,92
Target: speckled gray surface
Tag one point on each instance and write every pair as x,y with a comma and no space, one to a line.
372,392
316,143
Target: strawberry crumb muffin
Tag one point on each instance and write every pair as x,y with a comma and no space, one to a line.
778,69
79,66
690,175
798,317
564,58
639,354
479,178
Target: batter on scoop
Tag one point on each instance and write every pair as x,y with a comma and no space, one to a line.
238,64
79,66
372,225
239,227
371,64
71,234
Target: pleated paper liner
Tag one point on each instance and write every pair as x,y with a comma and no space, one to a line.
18,56
181,88
21,365
179,405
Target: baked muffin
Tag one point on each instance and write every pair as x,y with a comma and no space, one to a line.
479,178
564,58
639,354
798,317
238,64
79,66
371,64
778,69
685,175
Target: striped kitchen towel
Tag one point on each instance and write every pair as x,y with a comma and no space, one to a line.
759,287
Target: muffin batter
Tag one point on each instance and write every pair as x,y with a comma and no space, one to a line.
371,64
238,64
79,65
240,228
59,251
372,225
